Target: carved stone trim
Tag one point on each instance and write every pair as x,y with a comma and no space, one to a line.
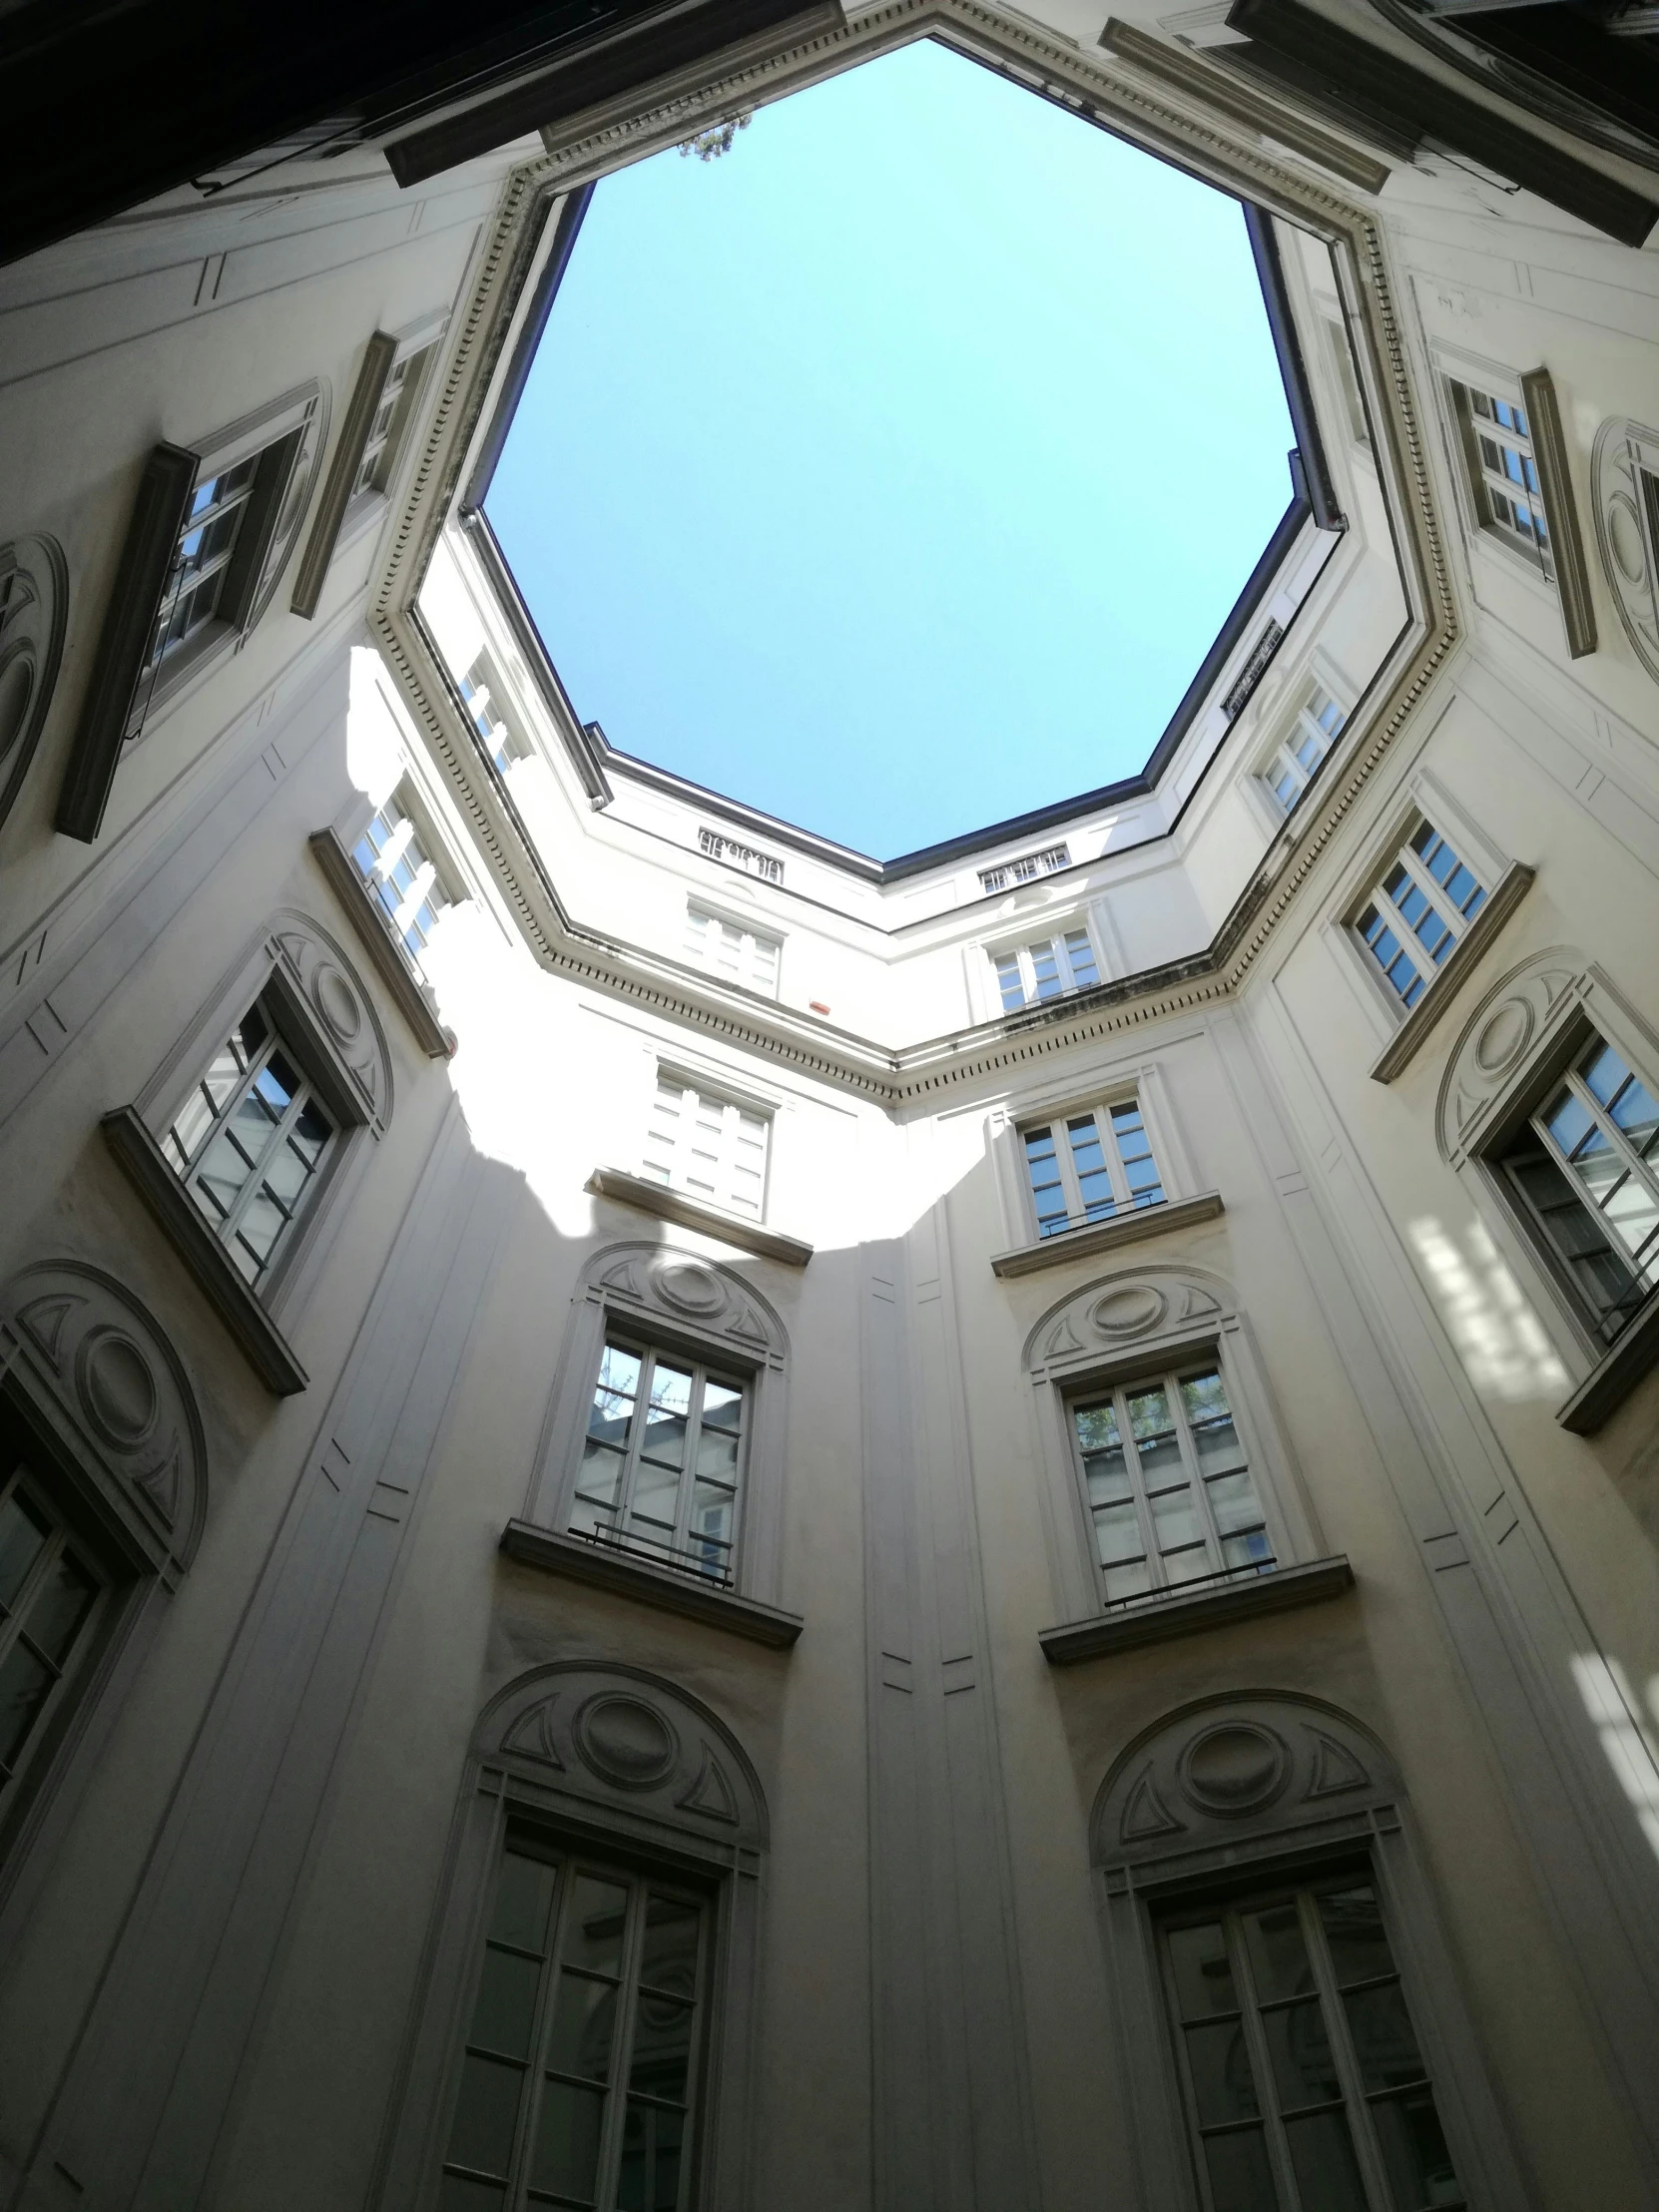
34,607
1171,1613
1106,1236
1615,1375
555,1552
618,1738
1624,493
1402,1047
101,1376
1266,1761
1571,570
714,1221
663,1287
1507,1029
150,1174
1153,1307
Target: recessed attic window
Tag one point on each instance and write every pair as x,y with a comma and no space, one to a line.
893,469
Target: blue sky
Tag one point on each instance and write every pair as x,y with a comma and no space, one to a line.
894,472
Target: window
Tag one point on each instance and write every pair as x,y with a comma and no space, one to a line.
1079,1175
482,695
731,949
1303,2083
1291,766
1026,870
579,2083
390,420
661,1460
1413,923
1166,1484
1583,1170
249,1143
1045,969
217,561
50,1599
707,1146
1503,472
397,868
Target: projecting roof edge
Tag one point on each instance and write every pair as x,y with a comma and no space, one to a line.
479,334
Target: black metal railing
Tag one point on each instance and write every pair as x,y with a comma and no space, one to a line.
706,1565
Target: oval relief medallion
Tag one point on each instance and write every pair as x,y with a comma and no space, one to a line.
117,1388
691,1289
625,1741
1504,1038
1130,1312
336,1001
1235,1767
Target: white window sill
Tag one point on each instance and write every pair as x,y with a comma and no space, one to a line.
1163,1614
556,1552
375,932
1403,1045
266,1349
1106,1236
690,1213
1615,1375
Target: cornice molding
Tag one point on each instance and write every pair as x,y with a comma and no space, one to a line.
1215,146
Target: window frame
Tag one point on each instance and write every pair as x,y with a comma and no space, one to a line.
18,1473
437,871
1136,1381
670,1075
1283,754
1101,1111
1482,480
1022,950
1394,923
702,954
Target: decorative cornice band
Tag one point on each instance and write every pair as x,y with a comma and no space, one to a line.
480,334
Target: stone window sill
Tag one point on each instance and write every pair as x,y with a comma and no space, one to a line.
1614,1376
555,1552
690,1213
266,1349
368,917
1406,1040
1106,1236
1158,1618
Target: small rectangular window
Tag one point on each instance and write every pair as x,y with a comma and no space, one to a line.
1502,470
1025,868
707,1146
1045,969
1166,1485
1089,1167
51,1597
395,864
662,1460
579,2080
1413,922
491,715
733,950
1583,1170
391,418
1289,769
1303,2082
250,1143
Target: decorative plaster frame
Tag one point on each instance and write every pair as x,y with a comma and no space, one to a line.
536,1756
1141,1321
1298,1786
708,1311
1627,529
31,647
1139,105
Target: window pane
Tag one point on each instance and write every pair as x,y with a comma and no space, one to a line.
664,1439
1203,1971
506,2006
1174,1520
1117,1531
23,1533
461,2194
1218,2059
1153,1427
1382,2038
1353,1934
662,2048
653,2146
565,2161
1008,982
1304,2070
1080,954
1233,1502
1326,2173
598,1913
669,1958
1241,2179
1278,1955
722,1406
486,2112
601,1473
523,1894
656,1495
60,1607
25,1685
584,2027
1414,2152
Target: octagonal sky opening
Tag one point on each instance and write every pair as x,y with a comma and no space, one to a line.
893,471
